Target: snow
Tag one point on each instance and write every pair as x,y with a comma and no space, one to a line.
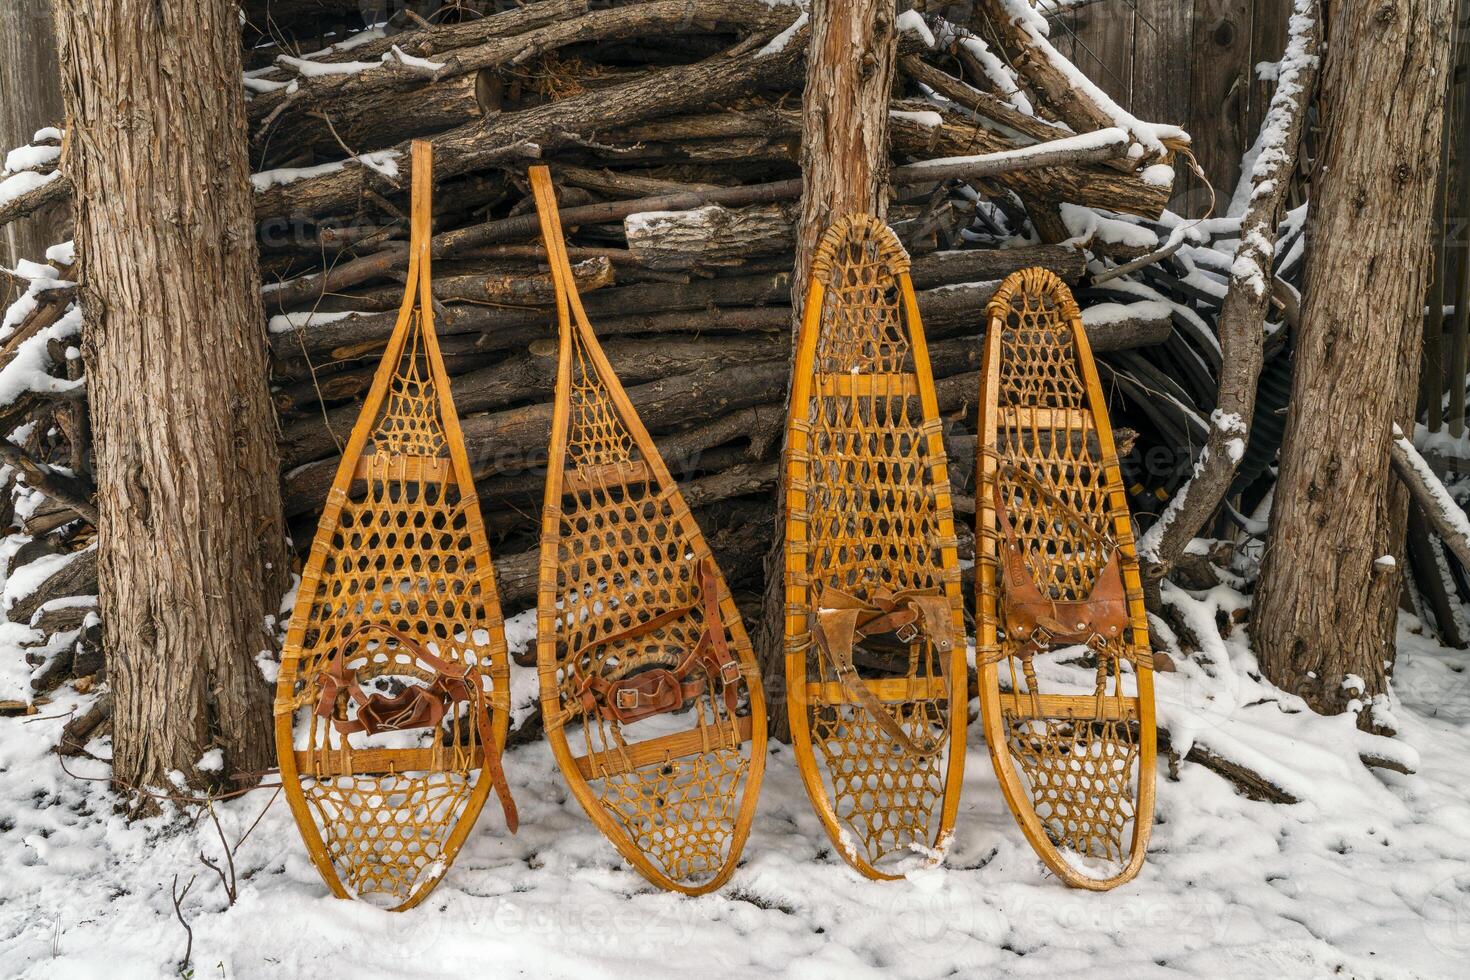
1157,175
1086,141
29,157
929,120
1001,75
983,285
1087,225
1451,511
1367,876
1231,422
913,21
30,363
1100,314
355,41
410,61
263,85
1149,135
286,322
24,182
384,162
317,69
29,577
29,368
778,43
63,254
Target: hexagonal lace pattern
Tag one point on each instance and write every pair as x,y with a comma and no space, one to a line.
1083,781
624,557
410,421
873,523
1082,774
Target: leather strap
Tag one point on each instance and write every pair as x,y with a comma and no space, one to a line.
659,690
1038,620
843,618
415,707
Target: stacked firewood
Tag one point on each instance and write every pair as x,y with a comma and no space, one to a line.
672,129
49,556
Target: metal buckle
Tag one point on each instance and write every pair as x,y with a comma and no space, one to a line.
907,633
626,699
730,671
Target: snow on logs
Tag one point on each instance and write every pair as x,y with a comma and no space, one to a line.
672,127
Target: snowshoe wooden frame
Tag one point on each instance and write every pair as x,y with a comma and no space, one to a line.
1076,770
400,566
677,805
869,521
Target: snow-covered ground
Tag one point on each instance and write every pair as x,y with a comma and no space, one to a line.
1368,876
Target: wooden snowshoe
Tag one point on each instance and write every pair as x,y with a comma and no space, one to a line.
1066,679
875,636
393,697
649,689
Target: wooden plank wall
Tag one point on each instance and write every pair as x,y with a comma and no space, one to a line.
30,98
1188,62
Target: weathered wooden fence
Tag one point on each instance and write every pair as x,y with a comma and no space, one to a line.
1188,62
1447,312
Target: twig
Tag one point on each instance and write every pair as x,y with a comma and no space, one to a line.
188,929
226,879
1176,238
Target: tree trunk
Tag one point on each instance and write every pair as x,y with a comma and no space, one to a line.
844,163
30,98
1328,597
191,551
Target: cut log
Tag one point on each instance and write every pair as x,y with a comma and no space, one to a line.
533,132
530,375
81,729
494,289
24,205
710,237
983,103
75,492
262,15
1032,56
351,335
1092,185
362,91
77,577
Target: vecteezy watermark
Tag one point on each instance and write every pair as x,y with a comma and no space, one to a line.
638,926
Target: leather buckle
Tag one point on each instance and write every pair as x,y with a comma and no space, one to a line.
907,633
730,671
649,693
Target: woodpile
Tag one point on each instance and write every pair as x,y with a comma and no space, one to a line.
672,129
